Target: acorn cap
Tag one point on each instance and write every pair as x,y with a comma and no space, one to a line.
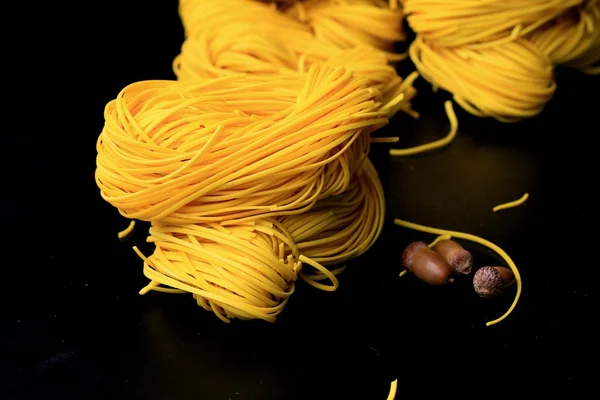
459,259
489,282
461,262
408,253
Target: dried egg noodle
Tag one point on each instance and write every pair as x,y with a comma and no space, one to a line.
435,144
127,231
573,39
248,183
496,56
511,204
223,38
200,151
508,82
247,270
480,23
349,23
393,389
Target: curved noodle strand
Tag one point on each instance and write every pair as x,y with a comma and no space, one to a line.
127,231
436,144
393,388
511,204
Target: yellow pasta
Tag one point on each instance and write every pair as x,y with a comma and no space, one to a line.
247,270
127,231
214,142
572,39
341,227
480,23
249,183
195,14
511,204
436,144
233,271
223,39
393,389
350,23
511,81
496,56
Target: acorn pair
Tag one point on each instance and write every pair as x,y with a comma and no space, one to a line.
438,264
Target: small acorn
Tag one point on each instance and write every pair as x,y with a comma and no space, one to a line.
491,281
459,259
426,264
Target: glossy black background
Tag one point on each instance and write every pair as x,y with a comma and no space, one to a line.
73,325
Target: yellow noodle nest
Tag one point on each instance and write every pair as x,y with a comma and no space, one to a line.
228,149
253,167
508,82
247,270
497,56
245,180
223,38
350,23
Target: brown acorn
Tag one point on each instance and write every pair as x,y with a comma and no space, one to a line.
459,259
426,264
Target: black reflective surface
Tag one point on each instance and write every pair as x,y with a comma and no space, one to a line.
73,325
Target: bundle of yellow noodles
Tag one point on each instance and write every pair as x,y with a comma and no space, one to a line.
218,141
350,23
478,23
224,38
245,180
572,39
496,56
253,167
508,82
